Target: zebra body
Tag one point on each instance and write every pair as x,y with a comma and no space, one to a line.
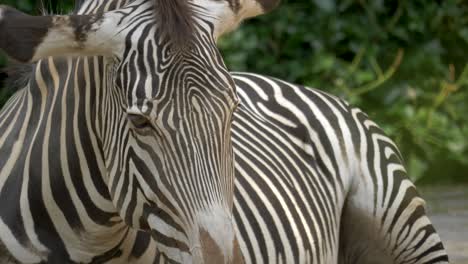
299,177
318,182
127,158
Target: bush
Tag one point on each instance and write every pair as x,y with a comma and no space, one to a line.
403,62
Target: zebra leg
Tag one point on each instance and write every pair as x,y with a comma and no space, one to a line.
384,219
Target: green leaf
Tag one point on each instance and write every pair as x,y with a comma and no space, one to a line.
326,5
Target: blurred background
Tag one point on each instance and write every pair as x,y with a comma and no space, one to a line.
404,62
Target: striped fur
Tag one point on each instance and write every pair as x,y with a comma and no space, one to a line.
143,136
316,181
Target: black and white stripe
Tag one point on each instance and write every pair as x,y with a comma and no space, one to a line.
95,149
318,182
104,147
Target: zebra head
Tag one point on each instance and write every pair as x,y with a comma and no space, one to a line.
167,111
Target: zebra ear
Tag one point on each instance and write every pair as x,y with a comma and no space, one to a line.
28,38
268,5
252,8
233,12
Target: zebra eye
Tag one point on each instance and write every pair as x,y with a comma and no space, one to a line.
139,121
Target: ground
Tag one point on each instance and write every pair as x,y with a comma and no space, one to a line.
448,210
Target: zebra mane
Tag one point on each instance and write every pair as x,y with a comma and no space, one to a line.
175,20
174,17
17,76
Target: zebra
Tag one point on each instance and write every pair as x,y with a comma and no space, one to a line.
316,181
138,139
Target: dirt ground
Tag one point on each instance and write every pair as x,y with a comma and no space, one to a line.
448,210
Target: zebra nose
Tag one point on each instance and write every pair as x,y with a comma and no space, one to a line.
237,257
197,257
211,252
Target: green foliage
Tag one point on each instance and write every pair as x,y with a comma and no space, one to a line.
24,5
402,61
41,6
